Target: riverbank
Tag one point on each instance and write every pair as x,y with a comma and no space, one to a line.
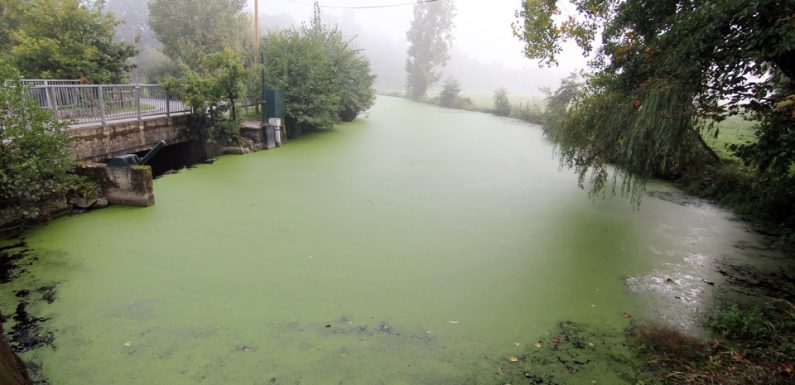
752,343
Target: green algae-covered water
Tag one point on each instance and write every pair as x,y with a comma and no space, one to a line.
417,245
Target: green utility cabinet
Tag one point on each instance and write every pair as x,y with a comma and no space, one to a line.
274,104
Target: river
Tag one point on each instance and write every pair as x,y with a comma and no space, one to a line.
417,245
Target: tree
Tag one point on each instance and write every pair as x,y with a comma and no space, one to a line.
192,29
34,156
352,69
324,79
450,91
63,39
430,39
663,71
502,105
212,90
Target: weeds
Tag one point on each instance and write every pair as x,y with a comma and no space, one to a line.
752,346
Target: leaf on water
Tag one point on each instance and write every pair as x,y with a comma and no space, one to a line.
537,345
128,344
627,314
516,344
454,322
513,359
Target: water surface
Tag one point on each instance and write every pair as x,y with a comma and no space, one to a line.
417,245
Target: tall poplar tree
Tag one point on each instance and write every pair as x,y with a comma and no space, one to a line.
430,39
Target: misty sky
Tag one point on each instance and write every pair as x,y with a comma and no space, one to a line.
485,53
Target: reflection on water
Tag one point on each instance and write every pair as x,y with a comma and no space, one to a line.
416,246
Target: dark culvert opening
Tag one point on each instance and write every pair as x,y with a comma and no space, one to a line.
173,157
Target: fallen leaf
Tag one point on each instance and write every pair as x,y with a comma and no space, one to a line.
669,280
537,344
128,344
627,315
516,344
513,359
555,341
454,322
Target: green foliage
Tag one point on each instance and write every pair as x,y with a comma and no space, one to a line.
323,78
528,111
502,105
192,29
450,92
756,346
665,70
735,323
63,39
430,38
34,157
212,90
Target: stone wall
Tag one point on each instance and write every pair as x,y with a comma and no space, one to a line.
97,143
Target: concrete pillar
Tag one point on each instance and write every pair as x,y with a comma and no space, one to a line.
130,186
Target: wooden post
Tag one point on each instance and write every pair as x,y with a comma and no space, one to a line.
12,370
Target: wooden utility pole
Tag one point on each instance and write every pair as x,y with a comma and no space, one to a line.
256,32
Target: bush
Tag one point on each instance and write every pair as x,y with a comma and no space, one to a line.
502,106
449,94
34,154
324,79
212,91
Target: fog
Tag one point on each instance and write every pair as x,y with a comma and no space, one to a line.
485,54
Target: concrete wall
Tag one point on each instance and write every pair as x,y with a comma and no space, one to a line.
97,143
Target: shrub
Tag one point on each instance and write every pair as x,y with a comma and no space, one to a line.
502,106
34,154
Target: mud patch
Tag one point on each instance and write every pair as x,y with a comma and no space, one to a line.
677,197
755,282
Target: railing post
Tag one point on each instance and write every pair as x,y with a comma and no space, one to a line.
168,106
138,101
52,100
101,106
46,94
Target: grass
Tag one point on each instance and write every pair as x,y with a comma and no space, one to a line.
144,107
754,345
734,130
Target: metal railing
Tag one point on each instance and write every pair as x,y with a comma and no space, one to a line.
49,82
91,103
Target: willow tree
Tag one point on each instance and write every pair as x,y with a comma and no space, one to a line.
663,71
430,39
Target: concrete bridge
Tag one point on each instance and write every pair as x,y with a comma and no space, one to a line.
108,120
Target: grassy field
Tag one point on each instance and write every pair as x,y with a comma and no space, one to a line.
482,100
734,130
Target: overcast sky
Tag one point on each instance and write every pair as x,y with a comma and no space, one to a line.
486,55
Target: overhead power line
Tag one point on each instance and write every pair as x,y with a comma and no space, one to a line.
367,6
